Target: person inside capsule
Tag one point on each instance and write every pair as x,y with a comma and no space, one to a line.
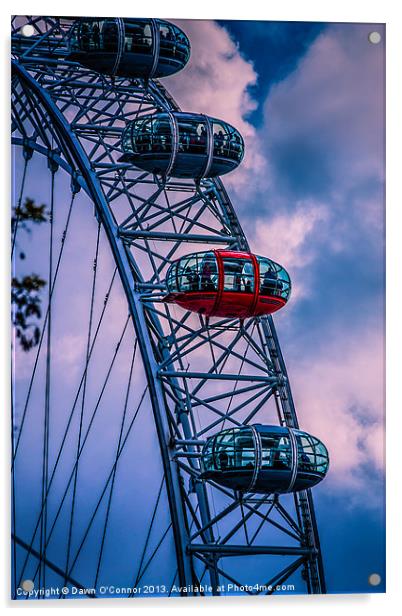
85,37
238,275
192,278
198,274
273,282
207,283
227,142
110,36
172,42
192,138
270,283
138,38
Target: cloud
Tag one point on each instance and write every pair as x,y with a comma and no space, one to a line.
288,239
324,124
216,81
286,236
339,393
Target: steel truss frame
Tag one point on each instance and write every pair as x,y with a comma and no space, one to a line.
202,375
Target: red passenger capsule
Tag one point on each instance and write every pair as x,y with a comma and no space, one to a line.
225,283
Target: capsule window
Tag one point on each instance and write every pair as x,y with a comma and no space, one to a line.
321,457
192,137
234,450
274,280
168,45
96,35
221,140
208,459
194,273
312,454
182,49
141,136
224,451
306,454
161,135
244,450
227,141
138,38
171,279
238,275
149,135
276,452
187,274
128,139
208,273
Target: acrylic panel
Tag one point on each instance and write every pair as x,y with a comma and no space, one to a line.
197,301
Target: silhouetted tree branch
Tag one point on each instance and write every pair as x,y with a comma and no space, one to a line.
28,212
26,291
26,300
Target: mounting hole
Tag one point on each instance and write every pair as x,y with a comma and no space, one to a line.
374,579
27,585
374,37
28,30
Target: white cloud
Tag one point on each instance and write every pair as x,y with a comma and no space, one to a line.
286,236
216,82
289,240
333,102
339,395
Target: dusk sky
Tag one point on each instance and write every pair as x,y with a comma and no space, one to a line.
308,99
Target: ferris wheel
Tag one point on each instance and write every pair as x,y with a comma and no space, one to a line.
156,447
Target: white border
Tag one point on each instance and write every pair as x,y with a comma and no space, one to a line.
294,10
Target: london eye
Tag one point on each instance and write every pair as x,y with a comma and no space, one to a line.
155,442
